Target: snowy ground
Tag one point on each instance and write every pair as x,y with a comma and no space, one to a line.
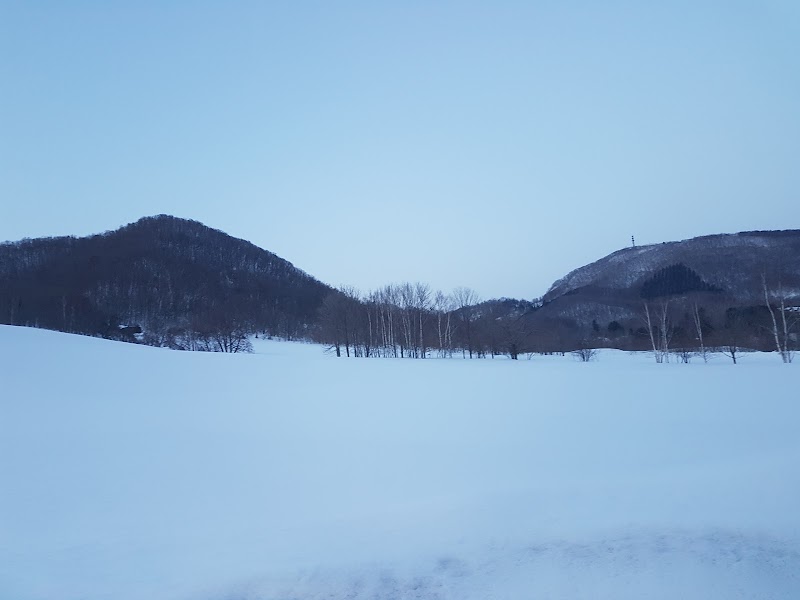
138,473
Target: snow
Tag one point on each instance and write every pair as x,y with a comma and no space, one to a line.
132,472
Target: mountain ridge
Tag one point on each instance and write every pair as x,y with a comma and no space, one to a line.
176,282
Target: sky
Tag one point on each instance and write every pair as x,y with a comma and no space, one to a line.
494,145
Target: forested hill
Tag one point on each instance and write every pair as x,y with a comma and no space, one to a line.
177,283
721,286
730,263
162,274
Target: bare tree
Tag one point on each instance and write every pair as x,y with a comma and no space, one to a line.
698,326
585,353
407,310
733,333
659,328
422,299
443,307
216,331
465,299
666,329
781,325
231,340
335,317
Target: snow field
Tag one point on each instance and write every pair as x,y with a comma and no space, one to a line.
132,472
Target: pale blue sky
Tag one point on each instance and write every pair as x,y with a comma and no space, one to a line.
495,145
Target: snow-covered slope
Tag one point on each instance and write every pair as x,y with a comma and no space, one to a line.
131,472
732,262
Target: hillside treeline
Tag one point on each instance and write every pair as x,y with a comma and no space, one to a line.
411,321
178,282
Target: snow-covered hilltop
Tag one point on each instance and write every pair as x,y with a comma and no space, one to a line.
732,262
729,290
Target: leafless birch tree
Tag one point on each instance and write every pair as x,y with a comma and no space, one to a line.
781,325
659,328
698,326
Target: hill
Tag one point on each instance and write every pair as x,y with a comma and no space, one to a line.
163,276
177,283
732,263
722,276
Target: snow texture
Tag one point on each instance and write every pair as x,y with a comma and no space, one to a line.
132,472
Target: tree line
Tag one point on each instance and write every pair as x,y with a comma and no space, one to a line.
684,327
176,283
410,320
